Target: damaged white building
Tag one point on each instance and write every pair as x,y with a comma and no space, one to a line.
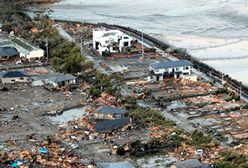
110,40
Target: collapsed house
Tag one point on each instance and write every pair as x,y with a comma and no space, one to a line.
107,112
11,77
8,53
110,41
178,69
112,125
26,50
60,80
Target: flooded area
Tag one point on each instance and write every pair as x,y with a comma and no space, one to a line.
68,115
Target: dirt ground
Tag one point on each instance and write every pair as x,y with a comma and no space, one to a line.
30,106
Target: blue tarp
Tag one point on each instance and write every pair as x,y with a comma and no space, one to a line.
43,151
18,163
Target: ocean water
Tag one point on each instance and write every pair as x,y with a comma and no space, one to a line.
214,31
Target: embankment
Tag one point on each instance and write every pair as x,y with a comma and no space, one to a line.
180,53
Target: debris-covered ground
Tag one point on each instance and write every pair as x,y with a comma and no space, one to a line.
161,123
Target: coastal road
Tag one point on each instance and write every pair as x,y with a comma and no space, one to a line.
85,51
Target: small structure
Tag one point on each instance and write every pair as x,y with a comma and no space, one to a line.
170,68
191,163
107,112
110,41
25,49
7,53
11,77
111,125
191,77
60,80
115,165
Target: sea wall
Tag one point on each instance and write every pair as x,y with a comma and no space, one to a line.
182,54
179,53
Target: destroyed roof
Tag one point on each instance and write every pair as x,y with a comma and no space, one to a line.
110,125
111,110
115,165
8,51
61,78
191,163
171,64
13,74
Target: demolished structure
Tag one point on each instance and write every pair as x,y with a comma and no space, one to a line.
60,80
107,112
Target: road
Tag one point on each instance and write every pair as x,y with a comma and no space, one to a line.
181,122
85,51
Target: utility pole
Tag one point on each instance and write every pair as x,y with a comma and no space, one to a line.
240,90
222,78
240,93
143,45
47,49
81,45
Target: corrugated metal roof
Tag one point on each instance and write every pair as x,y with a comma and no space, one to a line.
13,74
171,64
111,110
6,43
110,125
24,45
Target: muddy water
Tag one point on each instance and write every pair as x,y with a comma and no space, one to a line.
68,115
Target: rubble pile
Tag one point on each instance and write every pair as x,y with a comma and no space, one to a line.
105,99
51,155
241,149
206,155
186,87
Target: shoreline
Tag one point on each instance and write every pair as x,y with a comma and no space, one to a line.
178,53
31,2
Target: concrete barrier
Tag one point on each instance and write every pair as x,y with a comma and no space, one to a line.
178,53
182,54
